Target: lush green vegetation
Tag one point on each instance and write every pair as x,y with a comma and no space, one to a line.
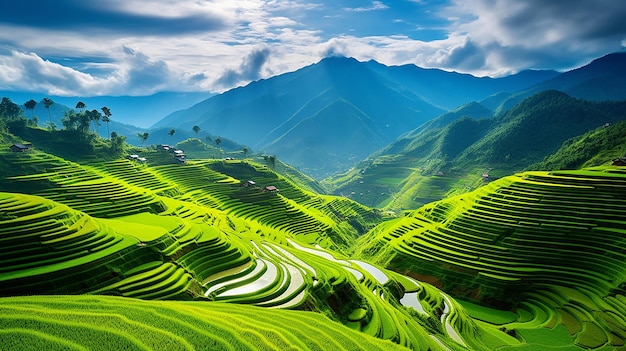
547,245
199,231
530,261
591,149
450,154
113,323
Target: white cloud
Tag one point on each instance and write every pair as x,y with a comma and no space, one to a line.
484,37
135,74
533,33
30,72
251,68
376,5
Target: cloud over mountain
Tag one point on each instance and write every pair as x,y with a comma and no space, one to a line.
250,68
219,44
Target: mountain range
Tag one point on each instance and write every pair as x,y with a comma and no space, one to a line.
326,117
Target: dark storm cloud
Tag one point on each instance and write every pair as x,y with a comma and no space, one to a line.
249,69
503,36
89,16
580,19
589,19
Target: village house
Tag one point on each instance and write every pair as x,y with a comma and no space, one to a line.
20,147
621,161
248,183
270,189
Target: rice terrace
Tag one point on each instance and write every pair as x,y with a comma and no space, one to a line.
118,254
324,176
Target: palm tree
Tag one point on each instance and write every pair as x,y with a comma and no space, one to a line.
30,105
81,106
143,137
196,129
107,117
218,141
47,102
171,132
96,116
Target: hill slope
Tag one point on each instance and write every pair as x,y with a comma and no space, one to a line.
600,80
547,243
113,323
451,153
214,231
590,149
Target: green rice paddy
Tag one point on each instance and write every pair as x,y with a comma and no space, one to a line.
547,246
237,266
114,323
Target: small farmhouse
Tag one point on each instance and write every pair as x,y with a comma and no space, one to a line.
248,183
271,189
20,147
621,161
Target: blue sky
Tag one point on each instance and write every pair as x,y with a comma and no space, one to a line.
139,47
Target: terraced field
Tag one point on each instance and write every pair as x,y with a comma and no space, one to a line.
543,250
548,245
113,323
201,232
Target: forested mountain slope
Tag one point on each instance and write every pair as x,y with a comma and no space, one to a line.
457,152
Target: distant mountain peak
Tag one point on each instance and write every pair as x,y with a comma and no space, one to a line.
336,58
618,55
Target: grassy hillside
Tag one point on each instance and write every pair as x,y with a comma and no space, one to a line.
451,154
547,245
538,126
590,149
